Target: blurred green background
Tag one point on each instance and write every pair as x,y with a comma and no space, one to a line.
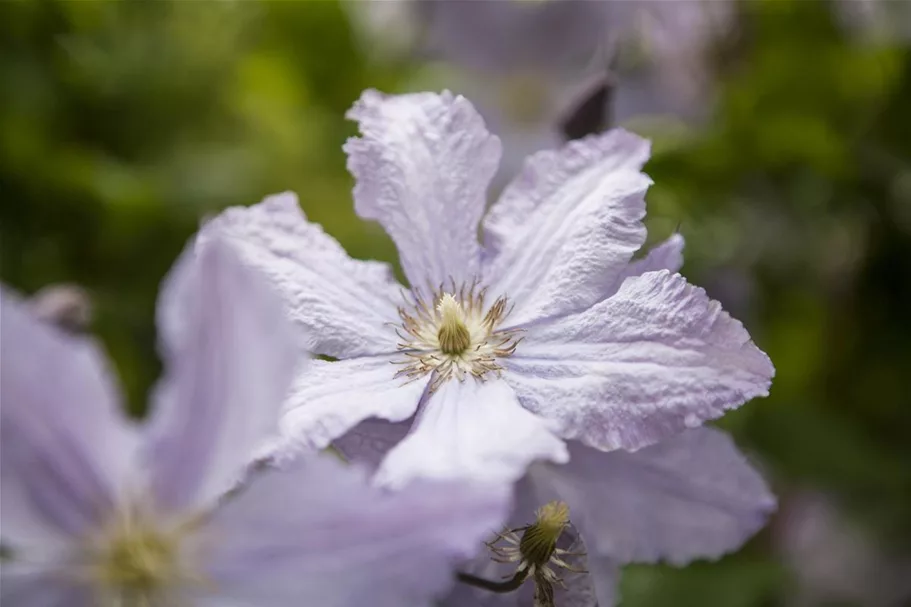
123,123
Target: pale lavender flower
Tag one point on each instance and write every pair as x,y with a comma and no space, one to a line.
529,66
542,332
100,511
692,496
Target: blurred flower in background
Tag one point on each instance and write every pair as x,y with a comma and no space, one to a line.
690,497
524,64
100,511
877,19
834,560
543,71
122,123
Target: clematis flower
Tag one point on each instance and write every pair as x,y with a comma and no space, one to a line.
546,71
691,496
542,331
99,511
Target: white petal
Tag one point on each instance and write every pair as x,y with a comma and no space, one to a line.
370,441
657,357
227,373
343,303
566,228
331,398
666,256
66,446
423,165
691,496
472,429
317,534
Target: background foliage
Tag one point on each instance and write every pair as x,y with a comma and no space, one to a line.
123,123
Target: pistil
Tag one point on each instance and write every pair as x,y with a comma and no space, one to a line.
453,335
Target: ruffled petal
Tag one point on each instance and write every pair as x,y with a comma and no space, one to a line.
423,165
656,358
318,534
334,397
566,228
343,303
691,496
665,256
230,357
472,429
66,446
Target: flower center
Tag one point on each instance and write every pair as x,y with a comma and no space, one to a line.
453,333
138,563
133,562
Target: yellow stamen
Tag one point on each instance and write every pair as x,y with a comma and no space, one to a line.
138,564
135,561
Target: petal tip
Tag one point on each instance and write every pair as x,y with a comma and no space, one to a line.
287,198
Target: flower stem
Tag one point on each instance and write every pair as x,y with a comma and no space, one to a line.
500,587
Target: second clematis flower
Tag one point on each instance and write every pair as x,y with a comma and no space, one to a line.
100,511
504,346
692,496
